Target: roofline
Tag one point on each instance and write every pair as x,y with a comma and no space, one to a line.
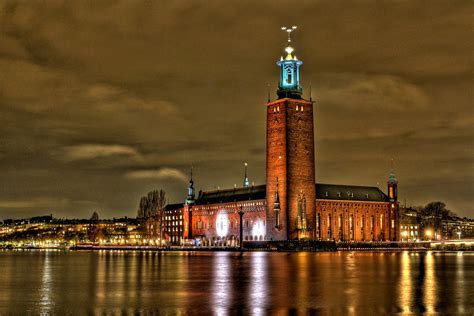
341,200
349,185
233,189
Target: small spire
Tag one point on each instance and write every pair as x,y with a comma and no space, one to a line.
288,48
246,179
289,30
191,195
392,178
276,205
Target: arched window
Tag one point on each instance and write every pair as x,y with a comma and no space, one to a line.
288,72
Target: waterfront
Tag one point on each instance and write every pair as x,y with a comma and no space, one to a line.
126,282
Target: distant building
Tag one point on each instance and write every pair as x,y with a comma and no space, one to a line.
173,223
410,228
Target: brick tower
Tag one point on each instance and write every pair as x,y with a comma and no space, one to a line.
291,191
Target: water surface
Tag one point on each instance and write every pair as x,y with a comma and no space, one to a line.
126,283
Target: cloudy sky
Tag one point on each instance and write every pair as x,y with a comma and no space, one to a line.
102,101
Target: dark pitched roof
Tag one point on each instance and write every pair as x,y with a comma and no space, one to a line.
349,192
257,192
175,206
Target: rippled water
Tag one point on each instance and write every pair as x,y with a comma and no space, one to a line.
45,282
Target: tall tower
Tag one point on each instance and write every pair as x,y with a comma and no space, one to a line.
290,154
392,188
190,197
188,209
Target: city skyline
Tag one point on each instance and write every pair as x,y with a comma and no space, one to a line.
102,103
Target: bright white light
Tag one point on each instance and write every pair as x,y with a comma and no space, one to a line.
222,224
258,229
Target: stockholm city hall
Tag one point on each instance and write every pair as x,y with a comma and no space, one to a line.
292,205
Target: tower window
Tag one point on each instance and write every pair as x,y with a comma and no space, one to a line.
297,108
302,109
288,71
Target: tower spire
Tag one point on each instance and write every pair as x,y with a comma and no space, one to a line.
276,206
392,185
392,178
289,86
191,195
289,29
246,179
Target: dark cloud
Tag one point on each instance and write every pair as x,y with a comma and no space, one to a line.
102,101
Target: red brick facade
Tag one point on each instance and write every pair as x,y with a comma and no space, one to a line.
290,157
219,224
354,220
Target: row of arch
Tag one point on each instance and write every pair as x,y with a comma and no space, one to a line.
229,241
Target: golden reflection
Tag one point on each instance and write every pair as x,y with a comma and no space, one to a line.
460,282
429,293
303,276
45,290
100,278
258,292
352,291
405,287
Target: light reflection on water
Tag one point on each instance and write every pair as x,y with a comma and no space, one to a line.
222,287
46,302
405,284
258,291
221,283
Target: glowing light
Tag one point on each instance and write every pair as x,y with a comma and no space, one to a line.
222,224
258,229
428,233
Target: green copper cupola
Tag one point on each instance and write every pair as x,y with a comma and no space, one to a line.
289,86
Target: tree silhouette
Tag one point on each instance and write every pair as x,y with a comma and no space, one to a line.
150,213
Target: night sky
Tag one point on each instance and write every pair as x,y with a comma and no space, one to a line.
102,101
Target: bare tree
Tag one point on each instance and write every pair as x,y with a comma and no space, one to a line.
150,213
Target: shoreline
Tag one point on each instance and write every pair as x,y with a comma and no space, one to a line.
233,249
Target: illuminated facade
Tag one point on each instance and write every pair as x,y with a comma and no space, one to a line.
292,205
